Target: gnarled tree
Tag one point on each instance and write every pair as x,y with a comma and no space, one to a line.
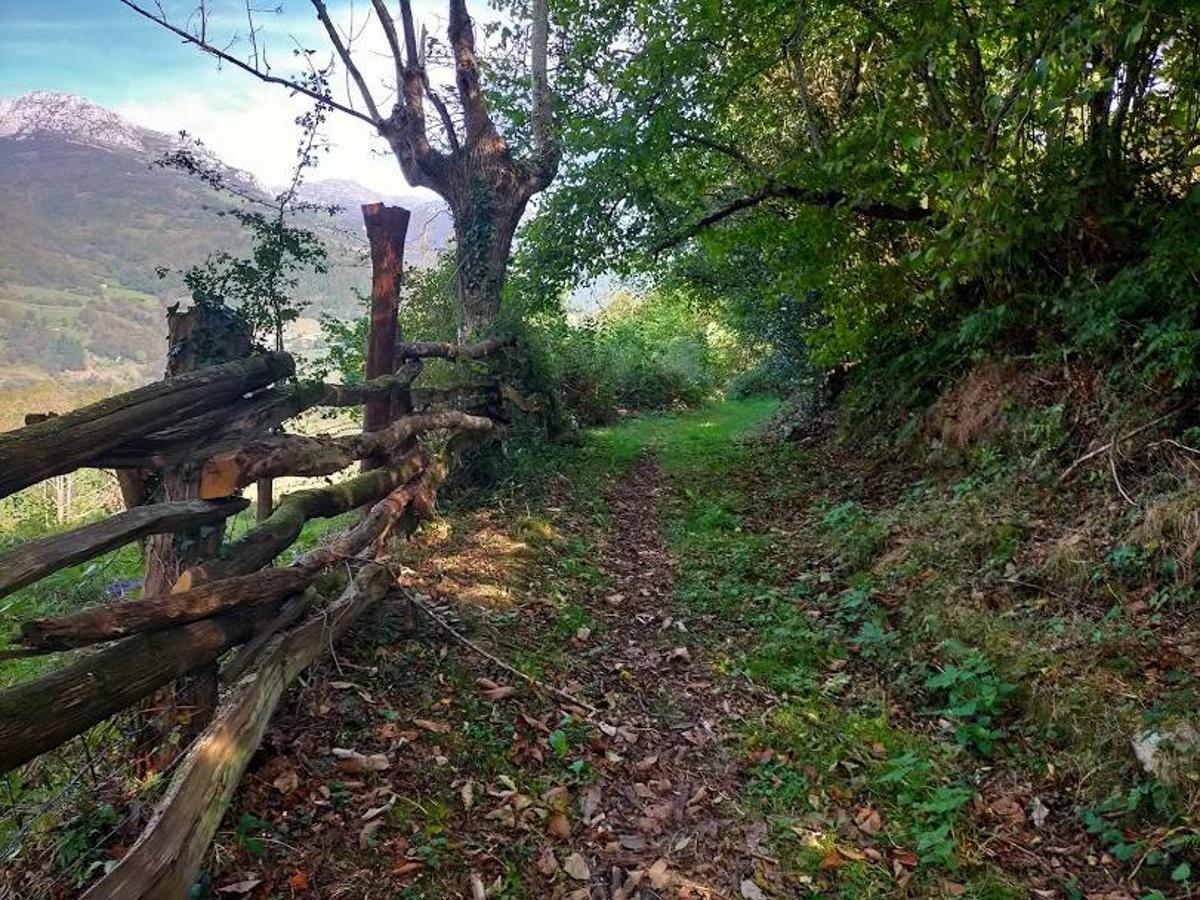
470,164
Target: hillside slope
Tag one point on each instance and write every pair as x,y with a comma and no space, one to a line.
86,219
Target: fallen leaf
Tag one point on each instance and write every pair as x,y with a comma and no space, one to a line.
286,782
1039,812
834,859
576,866
868,820
1009,810
376,811
751,891
682,654
646,764
546,862
351,761
477,890
953,889
634,842
660,875
435,727
240,887
298,881
408,867
467,793
558,826
589,802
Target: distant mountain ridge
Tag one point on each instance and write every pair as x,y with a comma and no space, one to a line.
86,219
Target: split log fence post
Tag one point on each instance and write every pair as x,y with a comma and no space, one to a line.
387,227
210,433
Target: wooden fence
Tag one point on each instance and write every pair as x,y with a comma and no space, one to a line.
227,417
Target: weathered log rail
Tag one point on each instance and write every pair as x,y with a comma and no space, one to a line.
224,420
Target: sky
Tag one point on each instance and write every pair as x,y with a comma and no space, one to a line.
104,51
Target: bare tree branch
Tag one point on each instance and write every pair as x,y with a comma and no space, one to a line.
389,30
466,66
546,149
434,98
343,51
200,41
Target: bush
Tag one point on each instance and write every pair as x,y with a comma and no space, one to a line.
640,354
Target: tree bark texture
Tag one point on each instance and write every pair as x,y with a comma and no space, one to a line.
110,622
38,715
37,559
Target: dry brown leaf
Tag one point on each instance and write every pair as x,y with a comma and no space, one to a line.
660,875
286,782
834,859
546,862
298,880
589,802
352,762
408,867
430,725
577,867
868,820
558,826
633,842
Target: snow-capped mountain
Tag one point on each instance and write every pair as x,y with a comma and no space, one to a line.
74,119
86,220
80,121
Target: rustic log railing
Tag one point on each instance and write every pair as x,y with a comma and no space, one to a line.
224,422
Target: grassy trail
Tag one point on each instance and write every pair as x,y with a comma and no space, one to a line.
793,698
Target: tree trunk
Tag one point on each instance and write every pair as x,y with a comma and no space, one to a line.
487,207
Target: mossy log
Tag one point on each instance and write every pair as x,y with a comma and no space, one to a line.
163,862
111,622
259,546
445,350
60,444
40,714
28,562
283,455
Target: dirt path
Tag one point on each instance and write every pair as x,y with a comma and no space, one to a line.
660,819
412,767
